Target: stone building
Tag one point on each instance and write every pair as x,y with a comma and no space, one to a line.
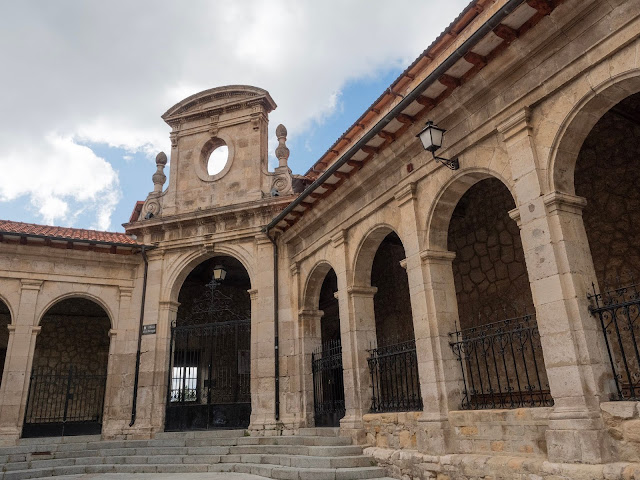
477,321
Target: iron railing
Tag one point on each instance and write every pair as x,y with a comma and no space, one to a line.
209,376
395,386
328,384
64,401
619,313
502,365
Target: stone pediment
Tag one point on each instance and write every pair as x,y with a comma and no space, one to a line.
217,101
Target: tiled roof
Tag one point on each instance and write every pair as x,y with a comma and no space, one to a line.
20,228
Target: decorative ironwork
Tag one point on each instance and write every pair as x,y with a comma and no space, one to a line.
395,385
502,365
209,371
64,401
328,385
619,312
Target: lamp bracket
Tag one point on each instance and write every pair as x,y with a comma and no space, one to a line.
451,164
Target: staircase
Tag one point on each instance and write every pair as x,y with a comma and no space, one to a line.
315,453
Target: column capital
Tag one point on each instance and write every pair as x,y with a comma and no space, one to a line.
339,239
362,291
253,293
437,256
262,239
515,125
403,263
515,216
307,313
11,327
35,330
29,284
125,292
113,332
294,268
557,201
405,193
169,305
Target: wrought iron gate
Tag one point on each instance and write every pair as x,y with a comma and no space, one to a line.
64,401
209,376
328,386
395,386
619,313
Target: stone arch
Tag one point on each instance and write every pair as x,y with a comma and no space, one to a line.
577,125
7,304
71,354
446,201
183,265
366,252
313,285
6,319
70,295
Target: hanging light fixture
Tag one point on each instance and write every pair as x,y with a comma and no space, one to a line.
219,273
431,137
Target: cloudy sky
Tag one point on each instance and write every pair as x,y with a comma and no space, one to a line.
83,85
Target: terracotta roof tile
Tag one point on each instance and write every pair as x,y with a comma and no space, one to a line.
7,226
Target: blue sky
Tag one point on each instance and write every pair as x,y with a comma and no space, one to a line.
85,84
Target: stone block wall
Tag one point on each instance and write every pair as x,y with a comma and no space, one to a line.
392,430
607,175
501,432
622,421
492,432
489,269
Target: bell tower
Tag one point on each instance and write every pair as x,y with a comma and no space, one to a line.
235,117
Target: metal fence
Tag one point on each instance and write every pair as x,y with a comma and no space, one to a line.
394,378
209,376
502,365
64,401
619,313
328,384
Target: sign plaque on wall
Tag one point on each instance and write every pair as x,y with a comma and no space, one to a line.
149,329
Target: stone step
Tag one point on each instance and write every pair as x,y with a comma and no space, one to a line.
269,471
321,451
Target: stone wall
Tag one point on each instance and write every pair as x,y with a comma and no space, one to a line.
622,420
607,175
81,341
392,303
489,269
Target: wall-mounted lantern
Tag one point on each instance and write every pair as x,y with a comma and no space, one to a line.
219,273
431,137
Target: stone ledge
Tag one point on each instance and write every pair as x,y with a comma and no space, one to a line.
416,465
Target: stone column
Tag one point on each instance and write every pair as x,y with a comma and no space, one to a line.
443,377
560,269
310,340
20,350
434,423
167,313
358,333
118,390
262,341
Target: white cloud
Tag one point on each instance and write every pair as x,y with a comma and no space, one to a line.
57,174
104,72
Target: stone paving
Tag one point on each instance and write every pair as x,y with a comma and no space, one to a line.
157,476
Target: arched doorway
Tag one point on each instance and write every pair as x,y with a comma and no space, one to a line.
328,384
496,339
69,371
210,365
392,361
5,321
607,176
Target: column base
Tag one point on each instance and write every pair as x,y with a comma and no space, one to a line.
9,436
435,436
353,426
581,439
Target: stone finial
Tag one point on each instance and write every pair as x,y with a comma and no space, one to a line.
159,177
282,152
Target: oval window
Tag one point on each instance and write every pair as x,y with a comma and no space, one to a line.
217,160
